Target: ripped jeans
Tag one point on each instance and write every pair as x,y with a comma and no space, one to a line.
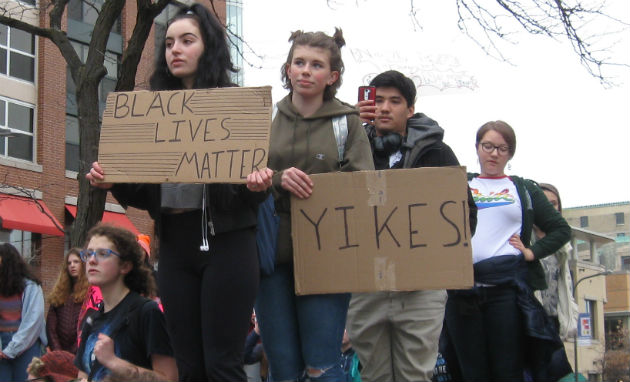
301,335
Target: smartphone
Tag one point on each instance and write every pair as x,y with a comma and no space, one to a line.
367,93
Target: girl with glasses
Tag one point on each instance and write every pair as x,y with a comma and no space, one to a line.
126,339
497,329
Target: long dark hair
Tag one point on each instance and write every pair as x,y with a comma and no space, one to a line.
214,63
13,271
140,278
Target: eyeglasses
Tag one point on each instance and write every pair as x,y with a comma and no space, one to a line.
489,148
98,253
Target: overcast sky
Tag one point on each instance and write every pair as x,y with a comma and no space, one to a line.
571,131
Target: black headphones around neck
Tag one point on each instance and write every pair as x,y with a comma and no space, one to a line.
387,144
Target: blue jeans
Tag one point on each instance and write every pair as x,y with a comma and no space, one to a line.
301,335
15,369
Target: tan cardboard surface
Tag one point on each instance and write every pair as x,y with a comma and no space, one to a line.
187,136
391,230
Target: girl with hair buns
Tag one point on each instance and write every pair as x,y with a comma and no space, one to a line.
66,300
302,334
208,276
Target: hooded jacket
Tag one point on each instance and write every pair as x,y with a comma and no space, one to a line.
423,147
308,143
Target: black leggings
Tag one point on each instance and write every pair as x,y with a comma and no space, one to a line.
208,297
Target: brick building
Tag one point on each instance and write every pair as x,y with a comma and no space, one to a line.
39,130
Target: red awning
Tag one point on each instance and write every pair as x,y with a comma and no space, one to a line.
26,214
114,218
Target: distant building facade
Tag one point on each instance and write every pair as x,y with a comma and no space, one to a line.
39,133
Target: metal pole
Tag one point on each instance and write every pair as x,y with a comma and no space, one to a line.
575,343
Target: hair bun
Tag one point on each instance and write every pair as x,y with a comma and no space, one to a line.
338,37
295,35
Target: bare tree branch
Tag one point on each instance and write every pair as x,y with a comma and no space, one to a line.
552,18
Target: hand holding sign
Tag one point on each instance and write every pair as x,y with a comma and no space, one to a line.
259,180
297,182
96,176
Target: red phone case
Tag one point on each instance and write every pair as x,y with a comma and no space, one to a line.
367,93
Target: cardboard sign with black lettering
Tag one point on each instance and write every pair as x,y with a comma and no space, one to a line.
185,136
390,230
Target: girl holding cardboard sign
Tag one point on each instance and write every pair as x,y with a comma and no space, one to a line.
302,334
208,276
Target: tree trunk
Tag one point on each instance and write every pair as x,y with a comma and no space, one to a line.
91,200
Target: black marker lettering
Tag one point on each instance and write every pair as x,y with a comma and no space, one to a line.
121,104
227,132
345,225
316,225
188,161
449,221
156,104
378,231
411,231
177,123
133,108
185,102
262,153
243,163
231,159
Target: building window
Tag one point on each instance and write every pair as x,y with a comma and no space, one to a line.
23,241
234,23
87,12
17,118
619,218
591,306
625,263
17,53
108,84
583,221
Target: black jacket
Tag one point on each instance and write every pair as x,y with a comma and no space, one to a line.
423,147
231,206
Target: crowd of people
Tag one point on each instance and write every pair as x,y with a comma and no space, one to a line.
105,321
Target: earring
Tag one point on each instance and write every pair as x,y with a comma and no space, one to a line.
509,166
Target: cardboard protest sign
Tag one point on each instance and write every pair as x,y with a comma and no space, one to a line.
390,230
187,136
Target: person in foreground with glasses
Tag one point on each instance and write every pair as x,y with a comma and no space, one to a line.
126,339
498,330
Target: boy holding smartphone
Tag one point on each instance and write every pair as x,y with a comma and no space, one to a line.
395,334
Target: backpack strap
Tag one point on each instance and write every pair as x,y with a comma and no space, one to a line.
340,127
131,317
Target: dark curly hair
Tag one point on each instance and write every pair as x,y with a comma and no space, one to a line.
13,271
140,278
318,40
214,63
